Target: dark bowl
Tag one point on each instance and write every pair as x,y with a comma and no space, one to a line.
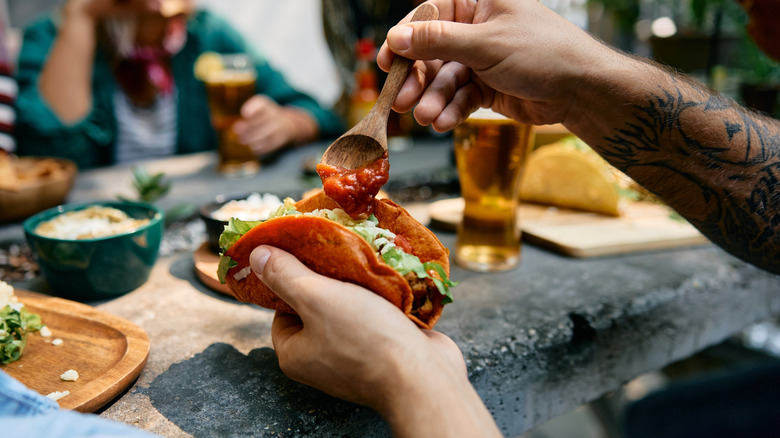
100,268
215,227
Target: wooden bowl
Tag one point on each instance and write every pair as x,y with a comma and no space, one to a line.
39,192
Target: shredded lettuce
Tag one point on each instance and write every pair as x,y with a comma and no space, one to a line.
15,325
405,263
380,239
233,231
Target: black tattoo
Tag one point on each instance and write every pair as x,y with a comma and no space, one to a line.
729,155
732,129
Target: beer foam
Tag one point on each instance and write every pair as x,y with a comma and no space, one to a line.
231,77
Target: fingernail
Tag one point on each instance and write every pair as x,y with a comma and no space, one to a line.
402,37
258,259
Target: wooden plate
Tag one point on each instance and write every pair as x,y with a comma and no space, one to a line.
107,351
206,262
642,227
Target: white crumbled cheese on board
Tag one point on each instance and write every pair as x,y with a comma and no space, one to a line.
70,376
56,395
45,332
57,341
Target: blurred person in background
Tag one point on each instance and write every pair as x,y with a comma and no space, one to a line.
110,81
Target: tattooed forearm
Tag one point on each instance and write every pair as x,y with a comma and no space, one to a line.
714,162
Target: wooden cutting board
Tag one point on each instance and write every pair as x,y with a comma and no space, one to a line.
642,227
107,351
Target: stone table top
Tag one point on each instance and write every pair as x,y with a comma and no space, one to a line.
539,340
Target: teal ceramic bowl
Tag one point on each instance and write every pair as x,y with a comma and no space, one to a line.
99,268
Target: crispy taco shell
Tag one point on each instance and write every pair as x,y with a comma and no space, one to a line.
331,249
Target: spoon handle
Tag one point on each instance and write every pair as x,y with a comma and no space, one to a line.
401,66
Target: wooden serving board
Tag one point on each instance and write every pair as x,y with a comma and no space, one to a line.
642,227
107,351
206,263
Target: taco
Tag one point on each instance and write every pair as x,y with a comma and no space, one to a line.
390,253
569,174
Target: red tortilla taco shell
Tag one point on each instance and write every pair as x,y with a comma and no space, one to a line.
333,250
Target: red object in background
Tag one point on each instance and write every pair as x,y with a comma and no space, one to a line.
763,25
366,92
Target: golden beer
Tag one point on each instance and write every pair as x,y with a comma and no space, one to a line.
490,152
227,90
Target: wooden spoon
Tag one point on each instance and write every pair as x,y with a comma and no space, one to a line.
366,142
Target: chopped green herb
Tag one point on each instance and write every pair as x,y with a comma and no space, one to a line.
15,325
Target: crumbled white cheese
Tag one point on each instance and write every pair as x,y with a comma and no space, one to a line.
45,332
7,297
57,341
242,274
70,376
16,306
56,395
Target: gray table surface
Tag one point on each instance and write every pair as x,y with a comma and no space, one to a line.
539,340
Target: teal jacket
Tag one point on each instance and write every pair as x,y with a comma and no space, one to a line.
92,141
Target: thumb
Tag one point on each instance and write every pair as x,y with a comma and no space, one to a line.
287,277
444,40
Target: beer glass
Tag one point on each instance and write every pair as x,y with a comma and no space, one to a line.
228,89
490,152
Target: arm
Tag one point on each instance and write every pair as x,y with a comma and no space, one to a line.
70,60
717,164
66,79
355,345
39,130
58,111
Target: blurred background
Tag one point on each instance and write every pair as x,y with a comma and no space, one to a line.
327,47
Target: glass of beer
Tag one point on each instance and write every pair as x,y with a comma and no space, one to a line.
228,88
490,152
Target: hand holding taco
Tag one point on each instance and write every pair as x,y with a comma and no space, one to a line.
390,253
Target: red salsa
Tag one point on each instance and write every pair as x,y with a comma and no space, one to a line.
354,189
